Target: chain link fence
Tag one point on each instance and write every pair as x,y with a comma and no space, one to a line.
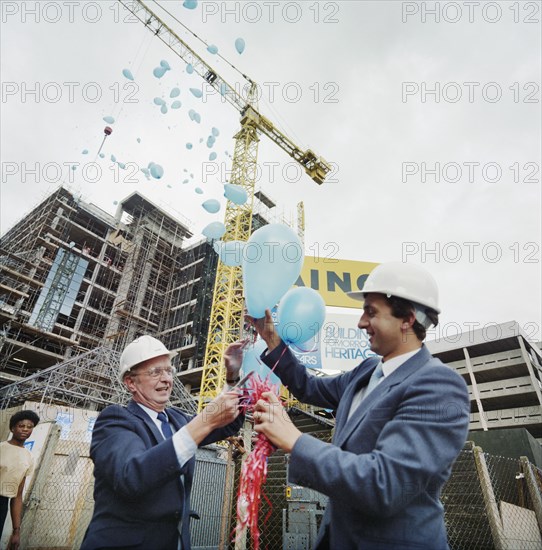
493,502
490,502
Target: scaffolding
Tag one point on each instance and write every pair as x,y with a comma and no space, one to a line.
74,278
88,381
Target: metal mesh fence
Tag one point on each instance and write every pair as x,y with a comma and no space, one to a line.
490,502
60,502
493,502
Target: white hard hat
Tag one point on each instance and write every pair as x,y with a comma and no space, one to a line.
142,348
411,282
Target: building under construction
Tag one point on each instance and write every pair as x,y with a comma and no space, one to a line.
74,278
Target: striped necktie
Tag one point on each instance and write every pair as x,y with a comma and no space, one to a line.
166,428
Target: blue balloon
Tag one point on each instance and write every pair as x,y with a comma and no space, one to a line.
240,45
211,205
174,92
235,193
214,230
159,72
127,74
156,171
272,262
212,49
252,361
301,314
230,252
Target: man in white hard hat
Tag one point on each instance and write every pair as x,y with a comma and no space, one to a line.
143,454
401,421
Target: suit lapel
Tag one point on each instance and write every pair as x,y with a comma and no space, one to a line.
396,377
362,379
136,410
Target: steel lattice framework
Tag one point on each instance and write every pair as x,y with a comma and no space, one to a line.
86,381
227,309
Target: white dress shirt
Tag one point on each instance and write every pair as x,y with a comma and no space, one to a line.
387,368
185,446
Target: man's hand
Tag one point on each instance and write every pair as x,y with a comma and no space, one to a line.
272,420
233,359
222,410
266,329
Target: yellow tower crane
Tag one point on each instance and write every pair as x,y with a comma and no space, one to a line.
225,324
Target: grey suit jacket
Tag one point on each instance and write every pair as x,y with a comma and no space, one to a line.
384,470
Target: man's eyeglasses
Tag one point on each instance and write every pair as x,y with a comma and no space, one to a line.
156,372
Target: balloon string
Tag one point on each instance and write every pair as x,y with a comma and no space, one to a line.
278,360
315,347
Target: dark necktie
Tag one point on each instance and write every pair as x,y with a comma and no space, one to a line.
166,428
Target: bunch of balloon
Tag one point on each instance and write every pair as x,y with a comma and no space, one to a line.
272,262
301,315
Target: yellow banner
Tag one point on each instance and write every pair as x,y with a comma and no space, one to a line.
333,278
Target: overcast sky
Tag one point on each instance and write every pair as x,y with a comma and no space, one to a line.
387,91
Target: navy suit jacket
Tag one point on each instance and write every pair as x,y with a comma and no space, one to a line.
384,470
138,492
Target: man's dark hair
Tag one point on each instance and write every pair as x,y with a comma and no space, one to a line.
23,415
402,309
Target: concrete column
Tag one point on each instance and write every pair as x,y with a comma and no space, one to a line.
475,391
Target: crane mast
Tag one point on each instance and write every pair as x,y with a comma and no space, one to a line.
226,318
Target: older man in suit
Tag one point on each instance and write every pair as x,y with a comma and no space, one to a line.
401,421
144,455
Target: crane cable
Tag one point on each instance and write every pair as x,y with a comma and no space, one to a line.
202,41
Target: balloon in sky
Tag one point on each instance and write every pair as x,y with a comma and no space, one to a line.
252,361
212,156
109,119
113,158
212,206
214,230
230,252
189,68
139,140
235,194
128,74
215,131
189,146
84,152
176,105
240,45
159,101
163,109
190,4
156,171
272,262
159,72
197,117
185,181
199,190
196,92
211,141
211,48
122,166
174,92
301,314
165,65
102,155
